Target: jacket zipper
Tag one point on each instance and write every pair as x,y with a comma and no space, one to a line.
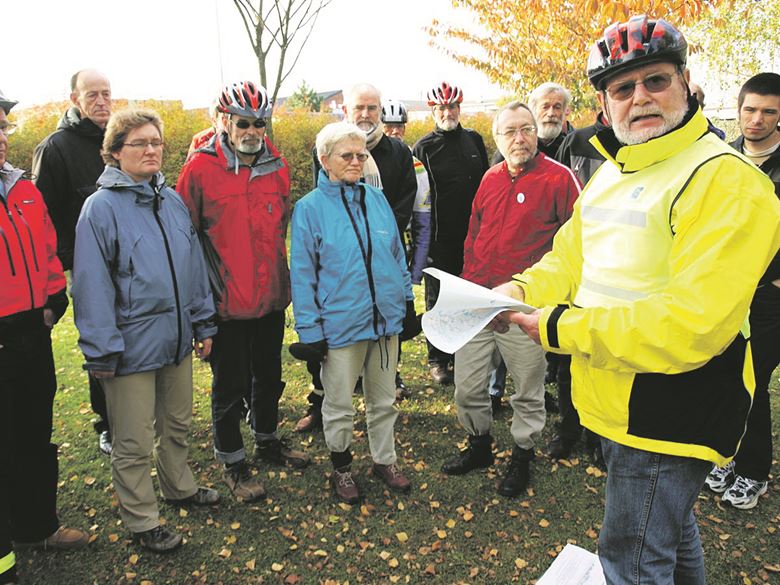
8,251
155,209
21,248
29,233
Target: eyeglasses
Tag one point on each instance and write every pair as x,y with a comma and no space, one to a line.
244,124
348,156
8,129
655,83
442,107
526,131
144,144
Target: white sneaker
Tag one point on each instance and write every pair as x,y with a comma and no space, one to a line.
744,493
720,478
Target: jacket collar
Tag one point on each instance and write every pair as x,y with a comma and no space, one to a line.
630,159
739,144
72,120
527,168
145,191
9,175
333,188
266,162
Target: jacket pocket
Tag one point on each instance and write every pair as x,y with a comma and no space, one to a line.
6,249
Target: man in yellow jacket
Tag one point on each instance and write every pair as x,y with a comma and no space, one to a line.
647,287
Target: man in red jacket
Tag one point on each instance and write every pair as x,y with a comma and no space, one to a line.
32,299
238,193
519,206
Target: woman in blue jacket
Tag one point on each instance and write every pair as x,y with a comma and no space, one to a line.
352,297
141,295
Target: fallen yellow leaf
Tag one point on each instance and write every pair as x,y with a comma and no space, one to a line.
402,536
277,567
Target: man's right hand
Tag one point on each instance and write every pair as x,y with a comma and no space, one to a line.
501,322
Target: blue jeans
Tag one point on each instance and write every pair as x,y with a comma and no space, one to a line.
649,535
498,380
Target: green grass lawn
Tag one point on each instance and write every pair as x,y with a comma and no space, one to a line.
447,530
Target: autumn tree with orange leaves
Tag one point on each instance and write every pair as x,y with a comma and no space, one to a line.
523,44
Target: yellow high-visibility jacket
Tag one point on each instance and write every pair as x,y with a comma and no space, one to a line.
657,268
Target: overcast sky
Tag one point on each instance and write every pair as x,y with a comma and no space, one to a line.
187,49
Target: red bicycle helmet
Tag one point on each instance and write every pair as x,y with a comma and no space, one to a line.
245,99
444,94
639,41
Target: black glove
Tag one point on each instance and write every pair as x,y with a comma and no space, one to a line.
412,323
309,352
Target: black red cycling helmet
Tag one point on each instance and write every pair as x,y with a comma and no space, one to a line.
444,94
245,99
639,41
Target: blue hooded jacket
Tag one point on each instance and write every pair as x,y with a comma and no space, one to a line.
331,289
140,290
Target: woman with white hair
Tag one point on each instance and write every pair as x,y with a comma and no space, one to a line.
351,291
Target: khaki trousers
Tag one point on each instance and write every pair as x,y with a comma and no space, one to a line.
341,368
149,414
525,361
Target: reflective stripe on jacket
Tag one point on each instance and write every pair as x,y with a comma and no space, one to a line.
661,258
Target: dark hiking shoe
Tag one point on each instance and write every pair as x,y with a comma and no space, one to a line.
279,452
478,455
159,539
344,485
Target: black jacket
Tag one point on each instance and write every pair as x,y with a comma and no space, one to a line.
396,169
771,167
455,161
66,166
577,153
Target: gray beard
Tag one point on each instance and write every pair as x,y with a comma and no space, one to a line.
629,137
447,125
549,131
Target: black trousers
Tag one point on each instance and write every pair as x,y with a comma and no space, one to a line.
244,350
97,399
435,355
569,427
754,457
28,459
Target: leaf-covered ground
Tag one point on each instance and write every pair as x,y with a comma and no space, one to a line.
447,530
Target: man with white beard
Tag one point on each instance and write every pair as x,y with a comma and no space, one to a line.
456,159
551,105
648,287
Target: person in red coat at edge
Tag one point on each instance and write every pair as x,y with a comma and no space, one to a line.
238,192
32,299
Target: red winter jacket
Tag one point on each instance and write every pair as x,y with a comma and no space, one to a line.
242,222
30,271
513,220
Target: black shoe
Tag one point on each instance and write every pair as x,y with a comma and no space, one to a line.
158,539
518,474
104,443
560,447
279,452
478,455
550,404
441,374
593,447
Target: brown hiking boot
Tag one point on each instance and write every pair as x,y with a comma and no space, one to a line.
278,452
344,486
62,539
243,485
393,477
311,422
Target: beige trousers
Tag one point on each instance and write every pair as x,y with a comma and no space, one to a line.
525,361
149,414
341,368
